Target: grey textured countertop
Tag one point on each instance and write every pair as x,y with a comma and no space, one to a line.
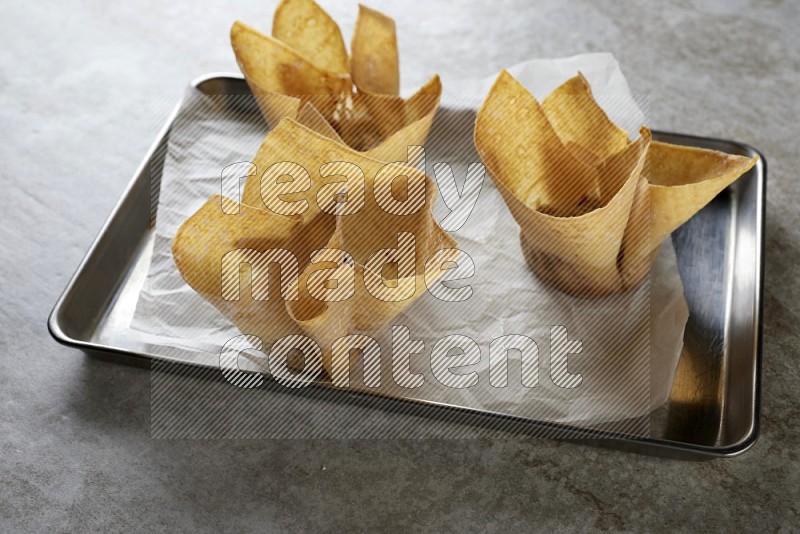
84,87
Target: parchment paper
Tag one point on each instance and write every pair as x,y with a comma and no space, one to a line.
630,343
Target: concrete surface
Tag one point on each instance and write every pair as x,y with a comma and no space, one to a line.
84,87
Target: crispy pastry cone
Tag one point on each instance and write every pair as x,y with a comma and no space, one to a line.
593,207
305,61
351,239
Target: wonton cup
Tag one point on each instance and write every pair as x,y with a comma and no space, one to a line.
306,61
315,259
592,206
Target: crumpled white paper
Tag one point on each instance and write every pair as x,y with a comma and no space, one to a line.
630,344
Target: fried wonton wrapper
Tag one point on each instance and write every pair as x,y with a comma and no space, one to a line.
376,63
593,206
337,222
305,61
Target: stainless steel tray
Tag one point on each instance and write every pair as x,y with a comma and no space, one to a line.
713,409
